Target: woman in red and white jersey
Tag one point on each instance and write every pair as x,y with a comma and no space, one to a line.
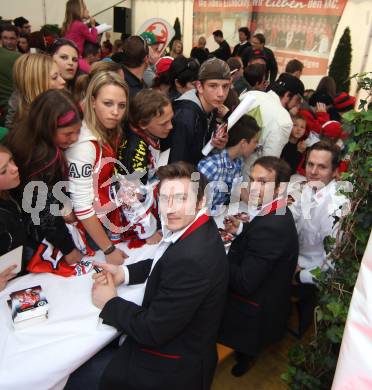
91,162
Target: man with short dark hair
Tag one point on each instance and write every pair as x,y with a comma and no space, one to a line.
9,37
262,260
223,52
316,210
295,68
195,113
135,60
258,43
171,337
255,74
244,37
224,170
277,124
23,25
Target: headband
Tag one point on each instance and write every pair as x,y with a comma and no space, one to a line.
66,118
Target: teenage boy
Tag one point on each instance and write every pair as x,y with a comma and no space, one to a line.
277,124
171,337
195,113
262,260
255,75
224,169
150,120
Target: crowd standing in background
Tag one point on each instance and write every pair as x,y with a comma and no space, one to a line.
85,111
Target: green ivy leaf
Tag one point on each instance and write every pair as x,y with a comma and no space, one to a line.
312,365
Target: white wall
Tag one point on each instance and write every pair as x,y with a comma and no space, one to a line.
168,10
357,15
54,11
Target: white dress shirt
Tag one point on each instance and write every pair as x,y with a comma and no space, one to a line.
314,214
253,211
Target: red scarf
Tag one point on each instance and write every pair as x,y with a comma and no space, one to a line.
271,208
204,218
146,137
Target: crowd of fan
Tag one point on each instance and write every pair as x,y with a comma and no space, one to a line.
68,102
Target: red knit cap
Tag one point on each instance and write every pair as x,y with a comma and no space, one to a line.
344,102
333,129
163,64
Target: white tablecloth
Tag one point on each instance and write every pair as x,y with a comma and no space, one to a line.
43,355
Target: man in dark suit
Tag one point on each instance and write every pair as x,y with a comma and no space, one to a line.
244,37
258,43
262,261
171,338
224,51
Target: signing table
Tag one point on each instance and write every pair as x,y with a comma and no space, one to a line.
43,355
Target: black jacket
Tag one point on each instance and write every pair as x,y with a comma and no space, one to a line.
134,83
192,129
292,156
239,49
199,53
51,227
171,342
15,229
135,155
262,261
223,52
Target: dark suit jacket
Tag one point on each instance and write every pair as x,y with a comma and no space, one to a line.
223,52
171,341
262,262
239,49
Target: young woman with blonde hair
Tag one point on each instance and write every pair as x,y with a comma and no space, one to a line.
33,73
91,161
83,80
177,49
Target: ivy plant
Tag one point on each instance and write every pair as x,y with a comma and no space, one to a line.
312,365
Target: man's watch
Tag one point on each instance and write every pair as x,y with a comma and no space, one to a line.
109,250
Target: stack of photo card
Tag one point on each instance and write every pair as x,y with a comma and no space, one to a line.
227,238
28,306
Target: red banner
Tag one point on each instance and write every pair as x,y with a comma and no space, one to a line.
302,29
